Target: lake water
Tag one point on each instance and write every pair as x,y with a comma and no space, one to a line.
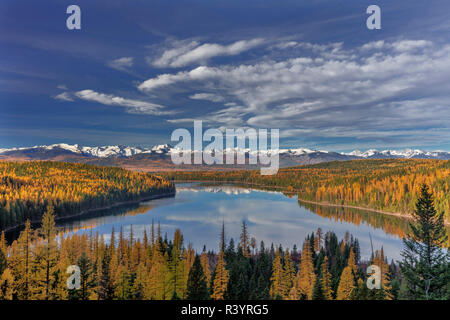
273,217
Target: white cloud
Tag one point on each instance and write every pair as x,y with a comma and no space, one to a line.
187,53
65,96
207,96
370,91
401,45
121,63
136,106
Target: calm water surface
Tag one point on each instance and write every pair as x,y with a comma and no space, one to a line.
271,216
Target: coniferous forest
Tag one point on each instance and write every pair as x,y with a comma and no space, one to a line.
27,188
163,267
155,268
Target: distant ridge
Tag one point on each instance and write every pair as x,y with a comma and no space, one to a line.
158,157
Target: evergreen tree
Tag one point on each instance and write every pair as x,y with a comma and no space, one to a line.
87,277
318,293
425,264
260,279
196,284
326,280
105,289
346,284
245,242
49,251
238,283
6,285
221,276
305,278
21,262
204,260
278,286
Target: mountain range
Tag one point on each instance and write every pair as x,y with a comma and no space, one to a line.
158,157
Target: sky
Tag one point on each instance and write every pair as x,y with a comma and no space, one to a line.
137,70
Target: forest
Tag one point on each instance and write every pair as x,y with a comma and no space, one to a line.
27,188
390,185
155,268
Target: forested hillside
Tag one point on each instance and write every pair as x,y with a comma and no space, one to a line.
28,188
391,185
155,268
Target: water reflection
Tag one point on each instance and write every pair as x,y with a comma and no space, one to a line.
272,217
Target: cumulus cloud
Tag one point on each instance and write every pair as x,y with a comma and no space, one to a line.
135,106
121,63
187,53
376,88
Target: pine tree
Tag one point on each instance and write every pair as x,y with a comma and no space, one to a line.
326,280
260,280
205,265
6,285
425,264
245,242
384,293
318,240
239,277
87,277
122,284
159,278
318,293
21,263
49,252
346,284
177,266
305,278
196,284
221,276
278,281
105,290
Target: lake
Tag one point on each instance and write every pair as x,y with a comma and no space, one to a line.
199,210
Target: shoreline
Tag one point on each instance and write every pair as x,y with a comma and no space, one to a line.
323,203
117,204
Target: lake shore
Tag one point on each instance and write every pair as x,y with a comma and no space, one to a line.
321,203
114,205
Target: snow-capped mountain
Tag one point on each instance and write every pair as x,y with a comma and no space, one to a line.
406,153
288,157
99,152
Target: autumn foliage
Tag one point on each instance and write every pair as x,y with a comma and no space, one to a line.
391,185
28,188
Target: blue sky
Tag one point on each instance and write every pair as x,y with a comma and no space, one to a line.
139,69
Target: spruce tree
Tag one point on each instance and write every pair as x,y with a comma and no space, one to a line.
346,284
425,264
221,276
49,251
326,280
87,276
318,293
197,288
306,278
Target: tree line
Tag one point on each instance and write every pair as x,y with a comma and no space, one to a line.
28,188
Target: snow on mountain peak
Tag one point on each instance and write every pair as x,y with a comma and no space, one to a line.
127,151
